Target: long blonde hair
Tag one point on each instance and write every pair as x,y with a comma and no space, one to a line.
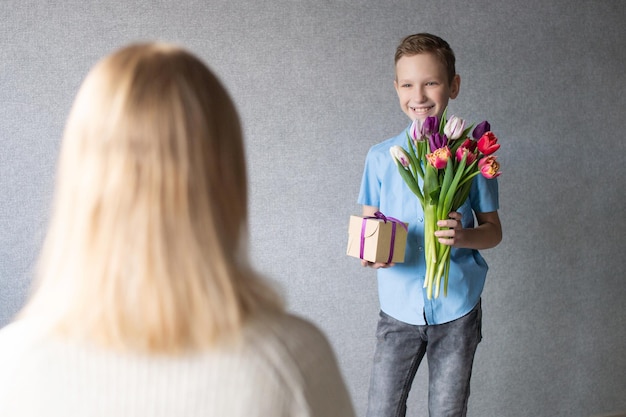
145,249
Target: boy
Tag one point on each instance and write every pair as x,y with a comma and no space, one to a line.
447,329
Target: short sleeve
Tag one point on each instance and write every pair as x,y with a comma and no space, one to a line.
484,194
369,194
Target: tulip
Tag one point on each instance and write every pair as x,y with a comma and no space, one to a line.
415,131
399,156
462,151
403,162
489,167
488,143
430,126
454,128
439,158
469,144
437,140
481,129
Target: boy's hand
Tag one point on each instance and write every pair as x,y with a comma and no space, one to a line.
486,235
376,265
452,236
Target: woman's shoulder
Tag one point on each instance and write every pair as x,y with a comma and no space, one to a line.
19,343
294,348
301,355
18,335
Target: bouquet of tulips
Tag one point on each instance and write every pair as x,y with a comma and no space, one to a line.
446,159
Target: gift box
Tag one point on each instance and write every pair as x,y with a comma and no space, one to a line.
377,238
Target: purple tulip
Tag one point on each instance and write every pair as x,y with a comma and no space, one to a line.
437,141
430,126
481,129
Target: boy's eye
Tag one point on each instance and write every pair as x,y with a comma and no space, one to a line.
431,83
406,85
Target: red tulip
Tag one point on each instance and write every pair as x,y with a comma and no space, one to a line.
488,143
469,144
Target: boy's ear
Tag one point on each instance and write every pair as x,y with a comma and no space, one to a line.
455,86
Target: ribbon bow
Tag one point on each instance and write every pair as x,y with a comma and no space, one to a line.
379,215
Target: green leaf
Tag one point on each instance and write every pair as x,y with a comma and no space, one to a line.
449,197
465,133
411,182
416,166
469,177
445,184
431,184
444,119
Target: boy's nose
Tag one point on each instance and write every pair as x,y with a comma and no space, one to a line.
421,95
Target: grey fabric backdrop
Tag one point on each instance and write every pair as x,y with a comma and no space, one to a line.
313,82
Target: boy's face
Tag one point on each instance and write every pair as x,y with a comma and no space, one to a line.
422,86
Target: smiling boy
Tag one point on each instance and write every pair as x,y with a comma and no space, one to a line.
446,329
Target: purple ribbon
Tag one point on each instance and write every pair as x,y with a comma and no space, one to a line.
381,216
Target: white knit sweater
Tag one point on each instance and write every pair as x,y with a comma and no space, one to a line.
285,367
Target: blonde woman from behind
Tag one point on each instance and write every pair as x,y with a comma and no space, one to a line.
144,304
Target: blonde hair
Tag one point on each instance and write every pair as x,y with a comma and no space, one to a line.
145,249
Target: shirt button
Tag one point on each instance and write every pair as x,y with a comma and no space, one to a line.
421,219
421,249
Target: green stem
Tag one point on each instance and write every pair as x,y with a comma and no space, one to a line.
447,274
430,247
442,267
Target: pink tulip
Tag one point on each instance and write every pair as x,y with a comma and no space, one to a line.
439,158
489,167
462,151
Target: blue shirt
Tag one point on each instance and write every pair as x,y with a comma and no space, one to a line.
400,288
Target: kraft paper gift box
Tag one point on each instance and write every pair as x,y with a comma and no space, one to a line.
377,238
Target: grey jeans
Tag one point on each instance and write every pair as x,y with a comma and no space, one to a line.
400,348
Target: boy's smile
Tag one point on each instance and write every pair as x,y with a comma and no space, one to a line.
422,86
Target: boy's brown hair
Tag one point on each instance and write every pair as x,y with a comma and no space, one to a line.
422,43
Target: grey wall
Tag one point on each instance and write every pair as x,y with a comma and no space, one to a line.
313,82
